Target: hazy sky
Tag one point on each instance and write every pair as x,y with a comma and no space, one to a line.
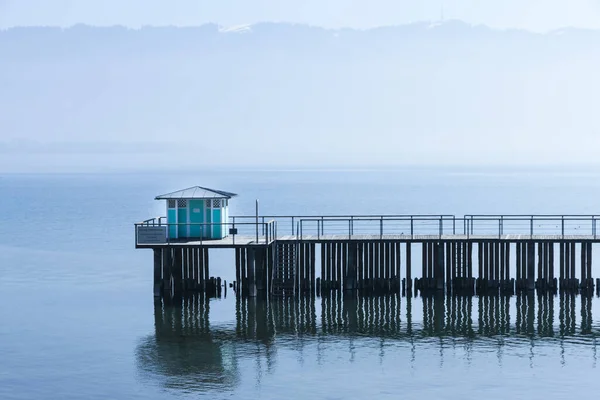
536,15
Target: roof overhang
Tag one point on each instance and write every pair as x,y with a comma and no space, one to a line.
196,192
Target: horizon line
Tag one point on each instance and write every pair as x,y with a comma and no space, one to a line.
232,28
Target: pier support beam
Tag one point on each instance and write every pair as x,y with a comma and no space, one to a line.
439,266
350,281
252,291
530,266
177,272
158,260
408,270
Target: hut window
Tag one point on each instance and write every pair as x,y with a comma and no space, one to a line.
181,203
217,203
207,203
171,203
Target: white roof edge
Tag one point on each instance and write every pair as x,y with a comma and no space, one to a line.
196,192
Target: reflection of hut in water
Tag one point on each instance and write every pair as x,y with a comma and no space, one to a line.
184,353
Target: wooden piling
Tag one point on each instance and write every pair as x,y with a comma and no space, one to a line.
389,267
158,261
572,265
497,276
551,264
518,264
252,290
177,271
562,258
439,267
244,269
589,264
425,256
453,269
408,269
449,265
350,282
507,262
470,260
583,263
430,262
312,267
524,269
338,273
398,264
530,266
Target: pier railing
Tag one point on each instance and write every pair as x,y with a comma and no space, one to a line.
265,230
544,224
489,226
342,224
158,231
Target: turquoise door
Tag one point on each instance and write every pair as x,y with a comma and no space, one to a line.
196,218
217,228
182,229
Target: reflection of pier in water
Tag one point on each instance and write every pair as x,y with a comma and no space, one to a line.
187,351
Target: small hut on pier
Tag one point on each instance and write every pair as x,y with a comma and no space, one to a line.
197,212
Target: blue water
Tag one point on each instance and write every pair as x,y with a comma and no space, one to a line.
78,319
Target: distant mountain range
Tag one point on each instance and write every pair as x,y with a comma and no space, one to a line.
279,93
83,38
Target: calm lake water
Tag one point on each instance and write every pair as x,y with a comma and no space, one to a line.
78,319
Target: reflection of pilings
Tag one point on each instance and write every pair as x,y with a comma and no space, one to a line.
545,315
375,315
586,314
183,353
459,321
494,315
566,314
525,313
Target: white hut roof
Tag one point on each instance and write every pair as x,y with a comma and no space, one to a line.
196,192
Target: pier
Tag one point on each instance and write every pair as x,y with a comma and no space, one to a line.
288,255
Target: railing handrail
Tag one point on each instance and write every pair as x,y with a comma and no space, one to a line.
383,225
269,229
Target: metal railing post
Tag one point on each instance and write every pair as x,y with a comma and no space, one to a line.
453,225
349,229
531,227
562,228
293,227
412,227
499,228
381,228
